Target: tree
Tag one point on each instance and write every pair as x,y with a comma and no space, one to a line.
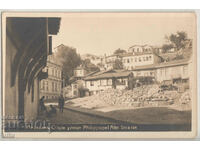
119,51
178,40
89,66
167,47
118,64
69,60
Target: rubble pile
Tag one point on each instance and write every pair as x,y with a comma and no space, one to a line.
138,97
146,95
185,98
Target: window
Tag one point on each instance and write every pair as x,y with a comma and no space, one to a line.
109,81
55,86
138,50
136,59
43,85
52,86
149,57
140,59
91,83
123,81
52,71
47,86
127,60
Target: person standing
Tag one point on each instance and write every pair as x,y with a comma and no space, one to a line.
42,106
61,103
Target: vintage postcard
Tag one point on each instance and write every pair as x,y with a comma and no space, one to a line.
99,75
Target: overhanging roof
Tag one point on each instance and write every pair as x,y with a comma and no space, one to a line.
109,75
53,25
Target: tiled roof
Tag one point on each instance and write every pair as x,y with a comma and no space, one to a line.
114,55
141,45
79,67
136,54
91,73
173,63
144,67
106,75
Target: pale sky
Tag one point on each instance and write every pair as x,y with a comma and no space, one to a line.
100,33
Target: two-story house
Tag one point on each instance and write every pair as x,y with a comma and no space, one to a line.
133,60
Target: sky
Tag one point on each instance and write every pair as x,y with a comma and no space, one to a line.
103,33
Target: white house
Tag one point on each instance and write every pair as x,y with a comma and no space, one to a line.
79,72
106,80
133,60
140,49
110,60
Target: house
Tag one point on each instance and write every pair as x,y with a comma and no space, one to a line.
173,71
117,79
140,49
110,60
51,87
75,89
78,88
79,72
97,60
133,60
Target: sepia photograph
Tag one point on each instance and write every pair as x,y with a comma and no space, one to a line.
99,75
